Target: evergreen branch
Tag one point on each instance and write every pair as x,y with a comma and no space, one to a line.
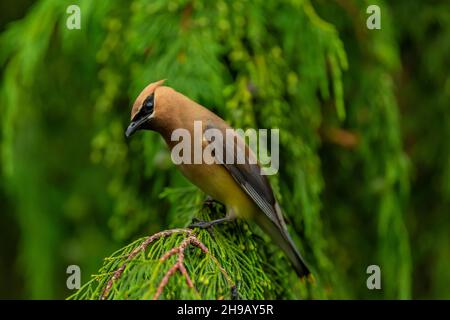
133,254
179,265
227,257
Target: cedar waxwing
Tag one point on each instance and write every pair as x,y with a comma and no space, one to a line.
244,191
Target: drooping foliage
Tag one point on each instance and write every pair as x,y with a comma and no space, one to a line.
353,133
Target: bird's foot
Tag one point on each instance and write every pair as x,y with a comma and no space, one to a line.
201,224
207,224
197,223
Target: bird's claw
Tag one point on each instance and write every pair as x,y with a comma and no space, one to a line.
202,225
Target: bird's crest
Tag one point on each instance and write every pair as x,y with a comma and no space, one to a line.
148,90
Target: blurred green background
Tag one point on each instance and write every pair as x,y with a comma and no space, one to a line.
363,115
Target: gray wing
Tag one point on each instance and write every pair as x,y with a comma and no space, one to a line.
248,176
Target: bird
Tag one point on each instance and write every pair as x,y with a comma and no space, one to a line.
241,187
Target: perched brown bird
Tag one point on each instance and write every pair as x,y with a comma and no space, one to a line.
245,192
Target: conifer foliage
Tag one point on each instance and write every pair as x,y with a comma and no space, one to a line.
309,68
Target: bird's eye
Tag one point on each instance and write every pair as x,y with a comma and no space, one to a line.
148,104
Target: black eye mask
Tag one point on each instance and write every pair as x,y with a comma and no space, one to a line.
141,119
146,109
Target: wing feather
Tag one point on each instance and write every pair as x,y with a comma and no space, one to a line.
248,176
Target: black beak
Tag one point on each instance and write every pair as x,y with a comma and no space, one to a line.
135,126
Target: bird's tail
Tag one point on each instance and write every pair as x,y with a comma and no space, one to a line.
294,256
281,237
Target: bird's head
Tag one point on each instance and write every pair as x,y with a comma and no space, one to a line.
144,109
